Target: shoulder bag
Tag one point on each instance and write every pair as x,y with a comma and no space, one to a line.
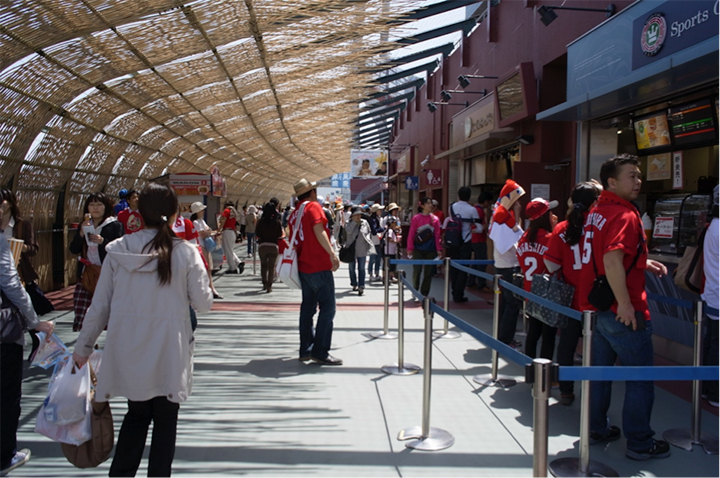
12,323
689,272
601,295
90,275
552,288
96,450
347,252
287,266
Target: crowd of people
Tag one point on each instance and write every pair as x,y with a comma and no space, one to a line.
145,249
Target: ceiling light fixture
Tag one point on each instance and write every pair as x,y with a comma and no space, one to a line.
464,82
547,14
432,105
446,96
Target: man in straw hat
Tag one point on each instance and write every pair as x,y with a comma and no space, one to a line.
316,263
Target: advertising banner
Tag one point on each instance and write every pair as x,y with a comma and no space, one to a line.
368,163
190,184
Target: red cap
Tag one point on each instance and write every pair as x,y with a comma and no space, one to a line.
539,206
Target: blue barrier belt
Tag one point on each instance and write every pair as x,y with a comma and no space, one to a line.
638,373
474,262
411,288
711,311
418,262
572,313
687,304
503,349
457,266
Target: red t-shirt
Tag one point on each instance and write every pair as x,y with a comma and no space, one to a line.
568,257
615,224
441,217
530,255
312,257
478,237
132,221
230,222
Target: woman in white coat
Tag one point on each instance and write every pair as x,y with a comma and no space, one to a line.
358,232
148,282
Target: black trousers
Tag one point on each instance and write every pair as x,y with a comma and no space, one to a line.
569,337
133,433
509,307
458,278
11,370
537,329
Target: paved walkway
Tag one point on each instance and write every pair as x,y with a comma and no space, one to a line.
256,410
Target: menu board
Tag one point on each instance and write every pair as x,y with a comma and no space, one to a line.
652,132
693,123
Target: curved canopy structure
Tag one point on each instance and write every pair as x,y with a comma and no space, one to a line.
108,94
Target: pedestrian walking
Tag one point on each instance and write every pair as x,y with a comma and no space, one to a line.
226,228
424,244
359,237
269,231
250,223
377,229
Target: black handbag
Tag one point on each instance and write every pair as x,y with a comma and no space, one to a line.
40,303
12,323
556,290
347,253
518,280
601,295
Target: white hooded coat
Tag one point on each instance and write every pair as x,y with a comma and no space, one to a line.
149,345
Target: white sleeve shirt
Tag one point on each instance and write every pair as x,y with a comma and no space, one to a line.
710,265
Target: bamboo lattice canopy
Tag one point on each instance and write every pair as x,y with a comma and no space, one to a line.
108,94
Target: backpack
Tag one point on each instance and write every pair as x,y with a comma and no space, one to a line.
453,230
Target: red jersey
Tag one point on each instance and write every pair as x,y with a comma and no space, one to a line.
132,221
568,257
478,237
230,222
530,255
441,216
312,257
615,224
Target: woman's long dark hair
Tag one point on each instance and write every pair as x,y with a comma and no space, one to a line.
99,197
583,196
270,214
157,204
9,196
543,222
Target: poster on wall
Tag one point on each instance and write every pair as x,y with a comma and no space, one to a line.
663,227
677,173
219,189
659,167
368,163
190,184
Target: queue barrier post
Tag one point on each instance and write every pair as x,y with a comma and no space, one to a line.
583,466
683,438
493,379
254,252
445,332
401,368
542,382
424,437
385,333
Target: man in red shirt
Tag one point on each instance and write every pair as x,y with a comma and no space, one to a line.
130,217
614,245
316,263
227,224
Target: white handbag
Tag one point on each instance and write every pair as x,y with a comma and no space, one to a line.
287,266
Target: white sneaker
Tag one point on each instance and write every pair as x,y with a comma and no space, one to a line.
21,457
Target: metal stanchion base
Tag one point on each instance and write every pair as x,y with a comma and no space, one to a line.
571,467
441,334
437,439
502,381
683,439
406,369
382,335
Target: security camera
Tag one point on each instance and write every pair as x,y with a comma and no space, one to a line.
425,161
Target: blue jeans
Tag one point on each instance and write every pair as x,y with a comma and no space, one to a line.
356,281
318,290
612,340
251,242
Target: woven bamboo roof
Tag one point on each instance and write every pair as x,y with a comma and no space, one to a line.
108,94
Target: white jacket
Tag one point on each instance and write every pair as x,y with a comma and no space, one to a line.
149,344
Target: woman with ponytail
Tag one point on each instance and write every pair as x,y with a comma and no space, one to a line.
148,282
565,253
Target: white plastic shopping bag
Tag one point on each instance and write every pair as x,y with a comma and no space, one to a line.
74,434
69,398
287,266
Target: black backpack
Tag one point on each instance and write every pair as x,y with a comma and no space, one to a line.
453,230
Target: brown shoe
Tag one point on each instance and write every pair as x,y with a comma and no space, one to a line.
269,289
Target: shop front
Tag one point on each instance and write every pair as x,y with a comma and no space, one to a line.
645,82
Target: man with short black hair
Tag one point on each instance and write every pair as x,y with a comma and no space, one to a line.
467,215
316,263
615,240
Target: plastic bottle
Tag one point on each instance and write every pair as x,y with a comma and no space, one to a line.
647,225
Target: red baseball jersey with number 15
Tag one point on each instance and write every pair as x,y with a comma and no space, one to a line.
568,257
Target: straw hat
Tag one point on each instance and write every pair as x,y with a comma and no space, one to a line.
303,186
339,207
196,207
392,206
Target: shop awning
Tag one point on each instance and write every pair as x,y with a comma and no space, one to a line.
484,142
691,68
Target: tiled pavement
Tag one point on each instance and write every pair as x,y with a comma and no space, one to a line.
255,410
